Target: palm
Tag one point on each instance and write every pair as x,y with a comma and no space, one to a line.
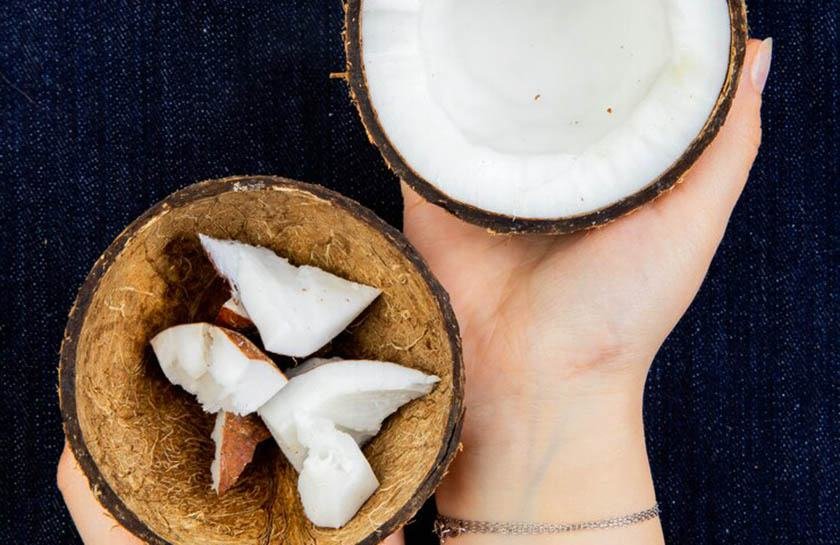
559,306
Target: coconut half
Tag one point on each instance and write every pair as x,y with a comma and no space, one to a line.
145,446
543,115
355,396
297,310
222,368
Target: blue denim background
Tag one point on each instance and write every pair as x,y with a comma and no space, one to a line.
106,107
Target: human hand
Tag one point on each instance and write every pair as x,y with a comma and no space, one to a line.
559,333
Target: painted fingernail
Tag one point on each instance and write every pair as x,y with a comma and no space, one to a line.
761,65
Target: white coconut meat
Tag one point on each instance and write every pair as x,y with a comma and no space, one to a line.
218,439
543,108
335,478
222,368
297,310
356,396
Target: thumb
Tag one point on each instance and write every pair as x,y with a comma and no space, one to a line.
712,187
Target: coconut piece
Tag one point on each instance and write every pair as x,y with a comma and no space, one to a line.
335,479
543,115
236,438
233,316
297,310
356,396
222,368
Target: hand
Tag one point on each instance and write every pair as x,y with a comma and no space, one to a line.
559,333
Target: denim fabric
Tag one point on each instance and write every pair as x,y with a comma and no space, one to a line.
106,107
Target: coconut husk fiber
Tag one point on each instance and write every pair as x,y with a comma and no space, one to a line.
145,444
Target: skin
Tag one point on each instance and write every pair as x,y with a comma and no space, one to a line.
559,334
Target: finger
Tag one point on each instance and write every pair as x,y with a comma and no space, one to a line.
95,524
411,199
712,187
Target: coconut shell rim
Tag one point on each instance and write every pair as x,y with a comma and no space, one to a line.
103,492
504,224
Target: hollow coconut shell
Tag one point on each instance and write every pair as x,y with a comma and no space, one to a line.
145,445
499,223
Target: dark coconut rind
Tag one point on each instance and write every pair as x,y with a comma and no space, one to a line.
276,474
499,223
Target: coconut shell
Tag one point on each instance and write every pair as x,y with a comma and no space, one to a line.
500,223
145,445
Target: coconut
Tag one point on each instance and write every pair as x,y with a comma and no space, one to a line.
146,445
543,115
355,396
221,367
297,310
335,478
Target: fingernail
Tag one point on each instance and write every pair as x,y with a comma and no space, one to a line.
761,65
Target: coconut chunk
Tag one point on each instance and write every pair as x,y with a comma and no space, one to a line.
236,438
356,396
233,316
335,479
222,368
182,353
297,310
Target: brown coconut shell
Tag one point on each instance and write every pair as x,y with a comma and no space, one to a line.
500,223
145,445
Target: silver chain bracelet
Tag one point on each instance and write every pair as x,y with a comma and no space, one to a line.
447,527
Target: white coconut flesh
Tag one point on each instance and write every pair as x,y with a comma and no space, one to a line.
543,108
355,396
297,310
216,465
335,478
220,367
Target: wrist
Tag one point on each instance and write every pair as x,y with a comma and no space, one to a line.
578,455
